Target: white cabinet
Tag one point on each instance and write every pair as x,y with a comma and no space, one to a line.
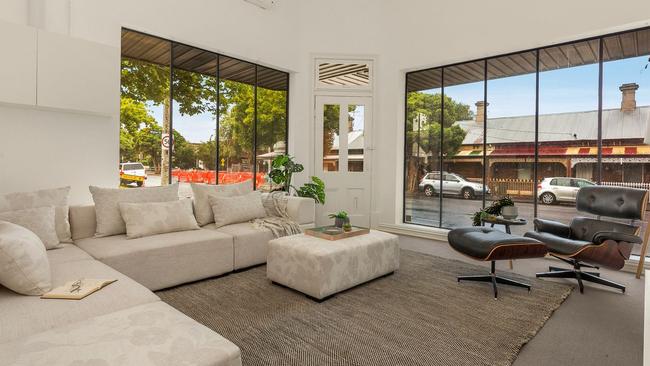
77,75
18,64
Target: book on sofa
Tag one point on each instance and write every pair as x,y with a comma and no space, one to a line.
77,290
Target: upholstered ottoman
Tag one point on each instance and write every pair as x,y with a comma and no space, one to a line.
320,268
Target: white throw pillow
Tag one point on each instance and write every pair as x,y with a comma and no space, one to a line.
24,267
57,197
40,221
236,209
107,200
202,207
145,219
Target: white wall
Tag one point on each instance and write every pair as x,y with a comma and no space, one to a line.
404,35
44,149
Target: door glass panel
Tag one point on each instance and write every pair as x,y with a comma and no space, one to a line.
356,119
331,114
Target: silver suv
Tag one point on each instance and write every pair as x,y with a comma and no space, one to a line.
452,183
560,189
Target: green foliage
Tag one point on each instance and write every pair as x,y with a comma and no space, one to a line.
315,189
338,215
492,210
282,169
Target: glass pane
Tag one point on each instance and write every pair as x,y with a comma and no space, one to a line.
194,113
511,133
422,159
236,120
626,111
144,110
462,143
568,126
331,115
344,74
271,122
356,147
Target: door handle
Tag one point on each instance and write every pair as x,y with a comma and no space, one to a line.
356,203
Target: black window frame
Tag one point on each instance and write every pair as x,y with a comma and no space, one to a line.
599,160
218,56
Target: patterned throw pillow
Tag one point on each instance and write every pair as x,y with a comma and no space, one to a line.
145,219
202,207
40,221
232,210
57,197
24,267
107,200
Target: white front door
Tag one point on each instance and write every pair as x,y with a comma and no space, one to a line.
343,127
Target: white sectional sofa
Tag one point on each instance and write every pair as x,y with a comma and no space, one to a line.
126,323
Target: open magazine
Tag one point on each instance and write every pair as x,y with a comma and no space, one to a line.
77,290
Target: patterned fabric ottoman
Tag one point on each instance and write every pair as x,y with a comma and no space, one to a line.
320,268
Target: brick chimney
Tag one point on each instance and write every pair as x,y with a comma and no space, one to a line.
480,111
628,102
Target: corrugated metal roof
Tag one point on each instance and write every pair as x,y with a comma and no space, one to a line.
562,127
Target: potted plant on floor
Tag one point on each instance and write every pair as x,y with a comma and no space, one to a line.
341,218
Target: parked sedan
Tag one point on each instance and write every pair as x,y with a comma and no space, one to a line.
560,189
452,183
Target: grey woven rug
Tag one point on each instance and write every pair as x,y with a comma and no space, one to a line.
418,316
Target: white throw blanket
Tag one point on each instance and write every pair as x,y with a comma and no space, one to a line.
277,219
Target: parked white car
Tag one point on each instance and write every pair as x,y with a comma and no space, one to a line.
560,189
132,173
452,183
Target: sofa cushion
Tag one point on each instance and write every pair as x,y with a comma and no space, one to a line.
107,200
151,218
57,197
250,243
202,207
83,221
22,316
149,334
233,210
67,253
39,220
165,260
24,267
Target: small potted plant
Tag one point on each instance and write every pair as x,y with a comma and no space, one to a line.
340,218
347,227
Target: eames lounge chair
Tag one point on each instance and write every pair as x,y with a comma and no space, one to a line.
592,242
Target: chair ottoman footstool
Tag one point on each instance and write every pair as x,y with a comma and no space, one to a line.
487,244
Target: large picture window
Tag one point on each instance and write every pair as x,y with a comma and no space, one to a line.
193,116
535,126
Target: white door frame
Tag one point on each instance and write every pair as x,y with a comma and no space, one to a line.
318,91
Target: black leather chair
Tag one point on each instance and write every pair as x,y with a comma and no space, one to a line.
593,242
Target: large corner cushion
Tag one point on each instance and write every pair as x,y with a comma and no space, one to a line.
488,244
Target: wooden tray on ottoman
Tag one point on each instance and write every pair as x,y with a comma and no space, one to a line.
320,232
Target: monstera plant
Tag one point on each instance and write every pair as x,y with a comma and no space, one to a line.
282,169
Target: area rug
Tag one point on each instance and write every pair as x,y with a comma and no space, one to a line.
419,316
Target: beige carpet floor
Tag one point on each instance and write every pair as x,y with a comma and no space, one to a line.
419,316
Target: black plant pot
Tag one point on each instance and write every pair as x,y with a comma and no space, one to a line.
339,222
